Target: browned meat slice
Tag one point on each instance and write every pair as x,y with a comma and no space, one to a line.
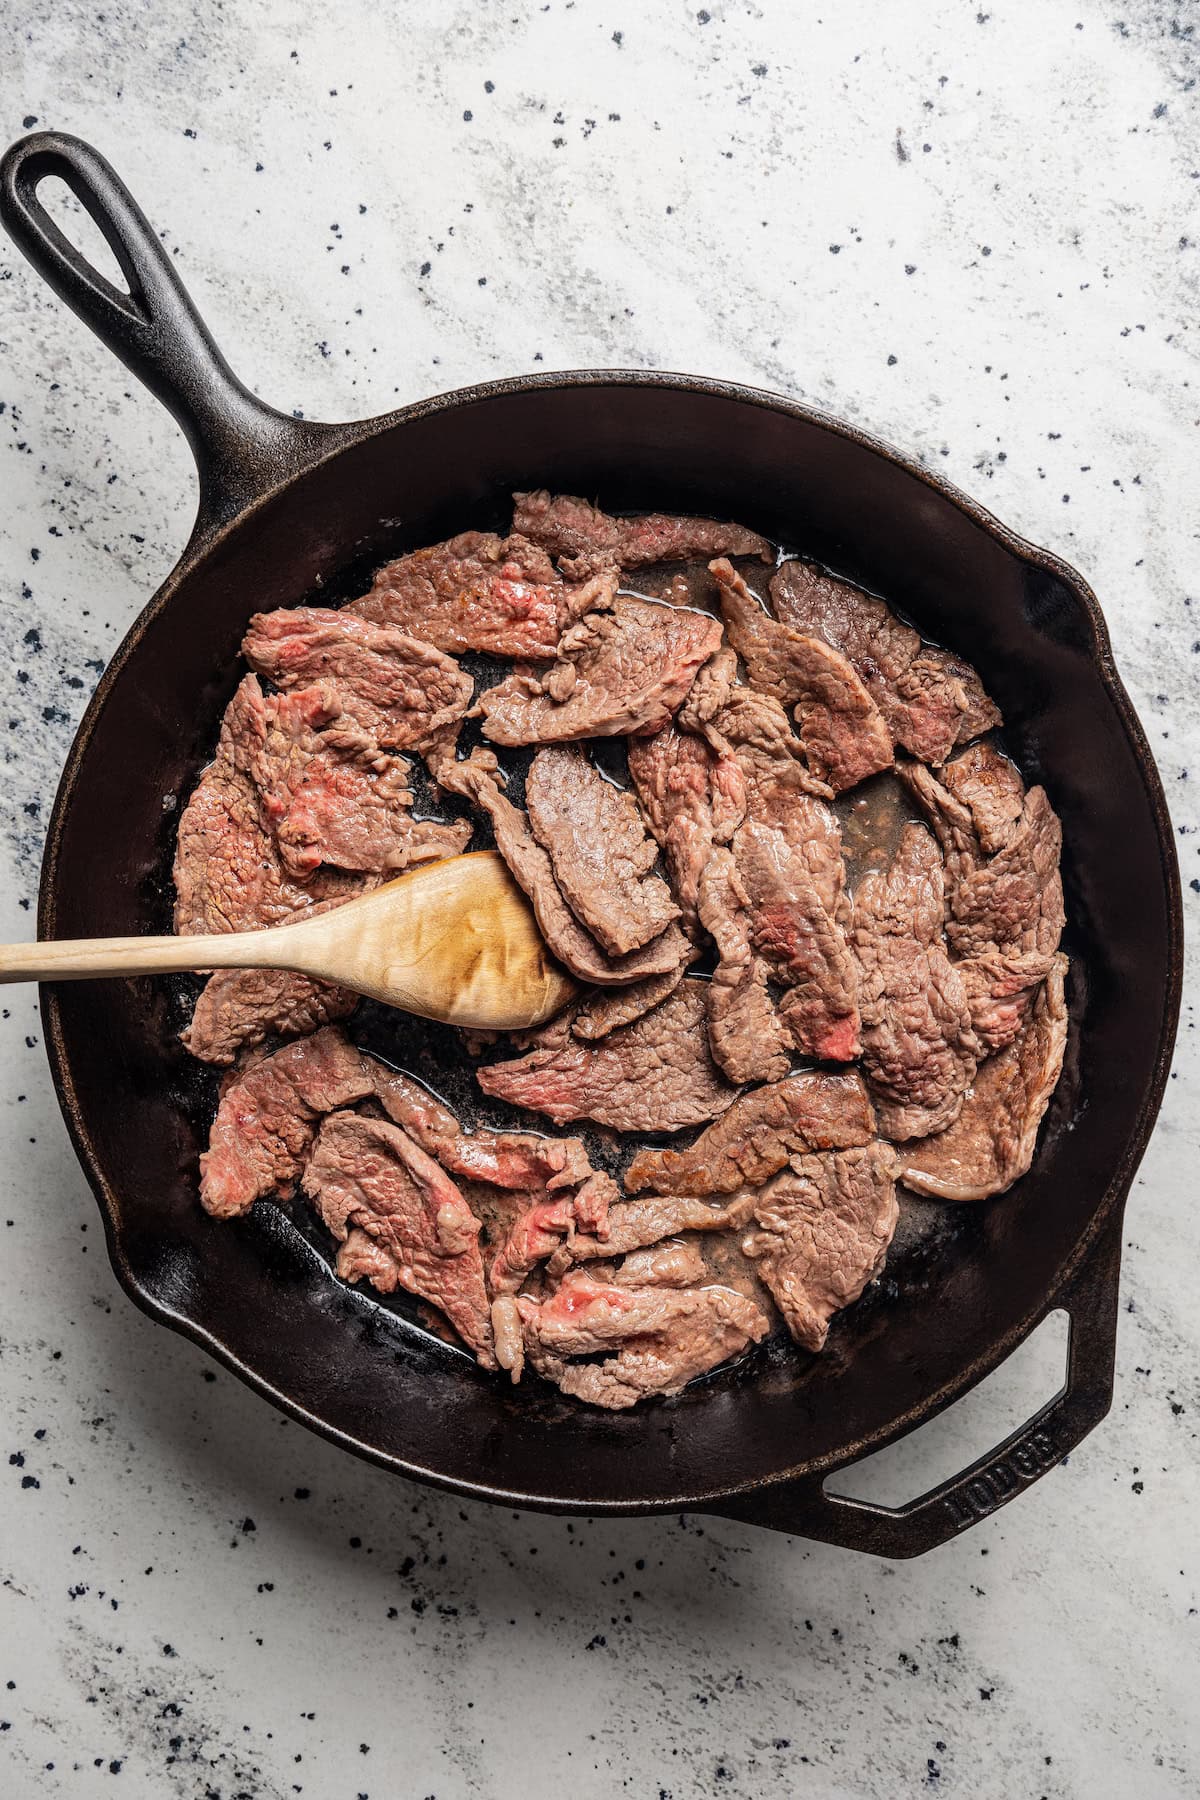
599,849
693,796
520,1161
802,939
777,786
531,866
990,1144
754,1139
368,1176
476,592
930,700
588,538
634,1224
624,670
268,1114
539,1230
748,1039
1004,912
840,726
675,1264
654,1075
605,1011
991,790
238,1009
658,1338
711,691
331,795
822,1233
399,689
919,1048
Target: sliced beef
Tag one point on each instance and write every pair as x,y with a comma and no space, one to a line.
601,854
802,940
751,1142
675,1264
840,725
623,670
992,791
477,592
399,689
930,700
368,1176
538,1230
611,1007
653,1340
634,1224
531,866
748,1039
693,796
711,691
1004,912
586,538
776,785
991,1143
268,1115
919,1047
822,1230
654,1075
238,1009
520,1161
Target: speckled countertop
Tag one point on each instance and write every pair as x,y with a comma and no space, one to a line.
974,229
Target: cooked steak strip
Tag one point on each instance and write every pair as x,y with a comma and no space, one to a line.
840,726
661,1337
531,866
477,592
778,787
991,790
400,689
586,538
268,1115
751,1142
991,1143
604,1011
618,671
539,1230
239,1009
676,1264
822,1233
520,1161
919,1048
930,700
368,1176
654,1075
748,1039
693,796
598,846
635,1224
802,940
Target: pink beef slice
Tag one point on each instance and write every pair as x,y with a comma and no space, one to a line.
810,1110
476,592
539,1230
822,1230
400,689
268,1115
654,1075
587,538
1004,912
239,1009
841,728
692,796
802,940
607,1008
991,789
531,866
919,1046
930,700
653,1340
746,1035
620,671
752,731
601,854
990,1144
634,1224
368,1176
332,796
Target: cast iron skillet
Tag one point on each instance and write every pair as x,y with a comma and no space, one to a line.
285,506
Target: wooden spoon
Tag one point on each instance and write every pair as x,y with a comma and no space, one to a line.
454,940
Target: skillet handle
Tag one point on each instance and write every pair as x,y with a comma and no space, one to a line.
242,447
805,1509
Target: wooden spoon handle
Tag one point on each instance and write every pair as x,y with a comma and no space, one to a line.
85,959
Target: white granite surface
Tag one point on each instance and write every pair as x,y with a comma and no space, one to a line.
970,224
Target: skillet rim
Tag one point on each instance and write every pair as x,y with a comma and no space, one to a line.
206,537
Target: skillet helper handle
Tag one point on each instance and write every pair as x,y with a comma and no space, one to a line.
242,447
805,1509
